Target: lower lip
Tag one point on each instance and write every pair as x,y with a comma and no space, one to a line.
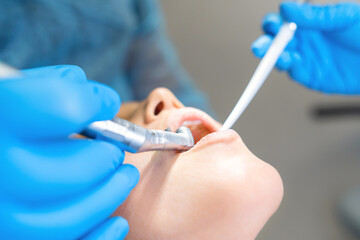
216,137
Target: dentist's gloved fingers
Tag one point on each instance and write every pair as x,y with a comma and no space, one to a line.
56,170
298,71
65,72
261,45
329,17
271,23
51,107
113,228
72,219
285,61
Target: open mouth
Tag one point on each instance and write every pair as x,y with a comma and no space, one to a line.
199,123
198,129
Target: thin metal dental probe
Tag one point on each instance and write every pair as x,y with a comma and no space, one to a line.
128,136
282,39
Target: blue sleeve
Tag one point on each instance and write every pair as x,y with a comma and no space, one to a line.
153,61
127,38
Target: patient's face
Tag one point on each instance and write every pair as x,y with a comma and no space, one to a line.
216,190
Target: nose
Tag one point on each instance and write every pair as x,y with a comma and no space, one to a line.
159,100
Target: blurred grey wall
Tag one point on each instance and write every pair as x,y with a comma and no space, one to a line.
319,160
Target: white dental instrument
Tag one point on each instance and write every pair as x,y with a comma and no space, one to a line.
282,39
128,136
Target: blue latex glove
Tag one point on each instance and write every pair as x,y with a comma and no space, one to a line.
53,186
325,52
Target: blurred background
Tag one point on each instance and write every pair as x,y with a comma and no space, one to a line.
318,156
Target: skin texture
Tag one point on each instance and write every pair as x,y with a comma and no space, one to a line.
217,190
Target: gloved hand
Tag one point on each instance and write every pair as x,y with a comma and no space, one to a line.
325,52
53,186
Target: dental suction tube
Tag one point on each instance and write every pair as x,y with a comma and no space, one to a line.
282,39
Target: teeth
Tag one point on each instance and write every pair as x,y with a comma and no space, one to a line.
189,123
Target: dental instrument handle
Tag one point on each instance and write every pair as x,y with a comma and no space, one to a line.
133,138
128,136
282,39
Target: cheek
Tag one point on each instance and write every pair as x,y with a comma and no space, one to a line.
139,160
133,112
127,110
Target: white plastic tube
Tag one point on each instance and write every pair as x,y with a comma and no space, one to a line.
282,39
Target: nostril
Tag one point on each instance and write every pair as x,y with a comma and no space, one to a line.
159,108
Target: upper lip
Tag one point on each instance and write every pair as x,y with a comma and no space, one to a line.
177,119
